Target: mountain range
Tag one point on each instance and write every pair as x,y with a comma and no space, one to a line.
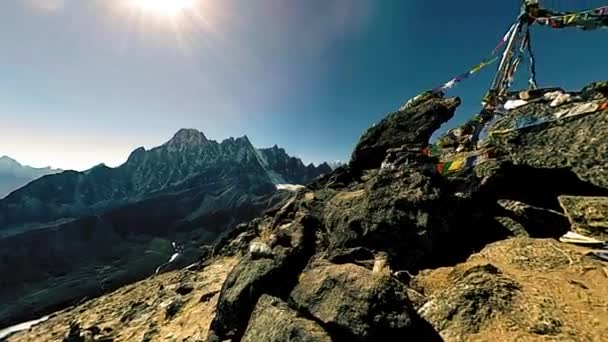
84,233
13,175
188,160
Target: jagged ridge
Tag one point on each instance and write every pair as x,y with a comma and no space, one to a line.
188,160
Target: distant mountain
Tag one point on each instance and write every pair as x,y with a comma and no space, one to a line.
13,175
336,164
284,169
189,160
83,233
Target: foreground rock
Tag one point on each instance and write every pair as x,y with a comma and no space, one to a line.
588,215
355,303
274,320
519,290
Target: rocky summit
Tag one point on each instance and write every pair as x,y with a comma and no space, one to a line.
408,242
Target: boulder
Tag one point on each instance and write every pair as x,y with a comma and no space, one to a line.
571,142
273,320
588,215
476,296
356,304
392,212
253,277
412,126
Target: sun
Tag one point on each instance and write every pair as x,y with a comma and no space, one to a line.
193,25
169,8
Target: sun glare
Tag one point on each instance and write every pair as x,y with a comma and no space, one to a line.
168,8
193,24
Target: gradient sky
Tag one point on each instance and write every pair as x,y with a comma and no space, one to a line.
87,81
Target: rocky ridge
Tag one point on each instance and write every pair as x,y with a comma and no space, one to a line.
289,170
391,247
188,160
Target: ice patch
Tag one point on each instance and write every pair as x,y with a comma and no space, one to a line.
289,187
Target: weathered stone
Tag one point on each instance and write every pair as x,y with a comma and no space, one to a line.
253,277
568,143
475,296
173,308
393,213
74,334
588,215
184,289
259,250
358,255
273,320
357,304
412,126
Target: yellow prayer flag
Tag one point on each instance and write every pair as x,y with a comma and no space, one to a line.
482,65
457,164
569,19
477,67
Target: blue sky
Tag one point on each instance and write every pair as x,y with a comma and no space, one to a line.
85,82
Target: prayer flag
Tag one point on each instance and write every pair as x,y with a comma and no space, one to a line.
457,165
451,83
446,167
569,19
482,65
504,39
440,168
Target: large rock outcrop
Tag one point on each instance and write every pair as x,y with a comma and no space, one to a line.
410,127
274,320
357,304
365,220
393,211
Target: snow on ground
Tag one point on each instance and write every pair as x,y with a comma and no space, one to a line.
289,187
20,327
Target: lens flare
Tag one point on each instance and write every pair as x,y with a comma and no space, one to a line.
168,8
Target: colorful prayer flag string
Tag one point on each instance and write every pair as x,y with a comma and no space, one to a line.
504,39
465,163
587,20
478,67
